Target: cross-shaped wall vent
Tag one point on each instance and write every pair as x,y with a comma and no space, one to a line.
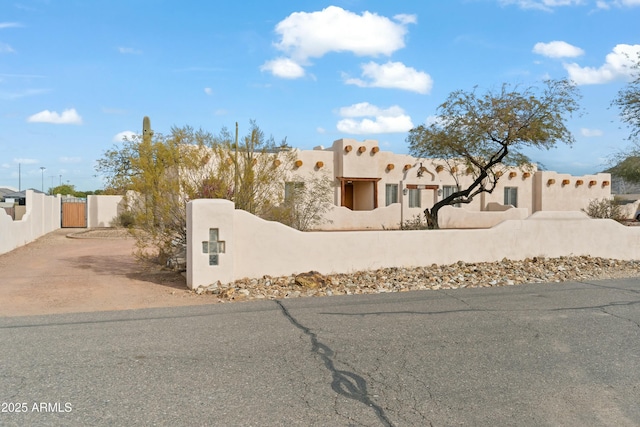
213,246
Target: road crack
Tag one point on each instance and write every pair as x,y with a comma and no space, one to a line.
345,383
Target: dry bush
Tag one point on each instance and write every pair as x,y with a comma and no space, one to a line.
605,209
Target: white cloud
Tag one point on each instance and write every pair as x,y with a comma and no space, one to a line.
208,91
5,48
119,137
546,5
305,35
283,67
393,75
364,109
321,130
4,25
70,159
5,166
590,133
24,93
390,120
129,51
603,4
26,161
403,18
618,66
68,117
557,49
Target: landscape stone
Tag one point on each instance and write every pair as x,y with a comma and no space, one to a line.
433,277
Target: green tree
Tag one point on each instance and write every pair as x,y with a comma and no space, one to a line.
628,102
64,189
250,170
487,132
159,186
160,174
627,162
627,165
70,190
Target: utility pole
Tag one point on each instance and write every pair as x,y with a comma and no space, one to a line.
42,168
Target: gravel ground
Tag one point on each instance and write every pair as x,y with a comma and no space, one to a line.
434,277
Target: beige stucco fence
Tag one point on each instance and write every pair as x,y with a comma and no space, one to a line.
42,216
250,247
102,210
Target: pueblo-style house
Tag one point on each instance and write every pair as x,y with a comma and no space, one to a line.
380,189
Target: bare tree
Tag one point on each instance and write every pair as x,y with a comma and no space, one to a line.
488,132
627,162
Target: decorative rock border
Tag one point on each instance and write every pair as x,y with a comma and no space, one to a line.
434,277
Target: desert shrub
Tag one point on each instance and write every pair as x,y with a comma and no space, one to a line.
125,219
305,204
605,209
417,222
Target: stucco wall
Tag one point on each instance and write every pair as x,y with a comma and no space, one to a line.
460,218
341,218
42,216
255,247
102,210
563,192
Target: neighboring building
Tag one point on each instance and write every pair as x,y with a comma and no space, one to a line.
4,191
20,197
14,202
369,179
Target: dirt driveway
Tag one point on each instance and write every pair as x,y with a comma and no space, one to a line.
57,274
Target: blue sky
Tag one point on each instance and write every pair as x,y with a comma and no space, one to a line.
76,75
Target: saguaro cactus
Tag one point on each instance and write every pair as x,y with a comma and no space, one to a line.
147,133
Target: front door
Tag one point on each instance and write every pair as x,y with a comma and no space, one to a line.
359,194
348,195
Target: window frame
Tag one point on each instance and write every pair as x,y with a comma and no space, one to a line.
415,198
509,193
453,188
394,194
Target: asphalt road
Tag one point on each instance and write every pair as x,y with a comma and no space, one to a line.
534,355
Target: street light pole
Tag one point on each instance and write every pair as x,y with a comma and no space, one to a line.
42,168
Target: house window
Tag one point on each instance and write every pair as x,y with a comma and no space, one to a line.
414,198
511,196
391,194
448,190
292,189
